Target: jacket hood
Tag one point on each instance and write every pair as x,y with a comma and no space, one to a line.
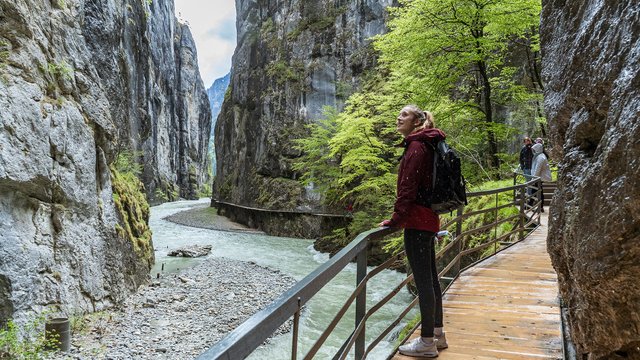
426,135
537,149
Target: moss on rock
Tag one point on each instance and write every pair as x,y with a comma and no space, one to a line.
278,193
132,206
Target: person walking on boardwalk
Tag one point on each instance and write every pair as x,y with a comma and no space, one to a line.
526,155
540,168
420,225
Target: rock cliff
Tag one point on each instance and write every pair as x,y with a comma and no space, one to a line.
591,66
81,82
143,54
292,59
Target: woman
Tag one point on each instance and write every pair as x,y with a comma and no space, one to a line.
420,223
526,155
540,168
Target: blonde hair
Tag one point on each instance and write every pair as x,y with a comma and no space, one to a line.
428,123
425,117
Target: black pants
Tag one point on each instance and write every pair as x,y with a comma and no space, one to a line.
421,252
533,200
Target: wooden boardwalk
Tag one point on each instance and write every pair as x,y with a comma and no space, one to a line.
506,307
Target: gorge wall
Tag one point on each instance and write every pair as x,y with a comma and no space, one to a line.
591,66
81,82
292,59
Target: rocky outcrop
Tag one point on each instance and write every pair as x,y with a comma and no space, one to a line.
292,59
591,65
80,82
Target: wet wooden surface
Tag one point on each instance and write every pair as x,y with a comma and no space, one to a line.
506,307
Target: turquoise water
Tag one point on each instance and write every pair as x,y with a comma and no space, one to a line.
296,258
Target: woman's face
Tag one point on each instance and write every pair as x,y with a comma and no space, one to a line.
407,121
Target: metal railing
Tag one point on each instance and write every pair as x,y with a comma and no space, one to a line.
516,207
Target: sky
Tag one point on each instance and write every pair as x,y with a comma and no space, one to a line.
213,26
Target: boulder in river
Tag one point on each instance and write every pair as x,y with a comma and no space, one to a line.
191,251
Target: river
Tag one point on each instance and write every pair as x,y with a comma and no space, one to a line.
294,257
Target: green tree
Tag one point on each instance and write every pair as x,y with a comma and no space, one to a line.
350,159
458,51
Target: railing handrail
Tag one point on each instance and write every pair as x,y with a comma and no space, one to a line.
254,331
278,211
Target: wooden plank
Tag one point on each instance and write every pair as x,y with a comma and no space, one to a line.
497,290
463,280
501,317
537,267
510,299
541,346
519,330
504,273
519,310
533,286
512,303
492,351
452,353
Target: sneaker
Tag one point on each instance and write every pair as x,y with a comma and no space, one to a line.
417,347
441,341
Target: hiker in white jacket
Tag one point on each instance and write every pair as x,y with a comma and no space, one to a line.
540,168
540,164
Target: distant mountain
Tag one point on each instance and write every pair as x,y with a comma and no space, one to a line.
216,97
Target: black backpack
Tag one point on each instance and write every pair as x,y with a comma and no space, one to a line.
448,187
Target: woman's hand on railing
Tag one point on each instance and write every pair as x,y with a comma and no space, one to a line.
384,223
441,234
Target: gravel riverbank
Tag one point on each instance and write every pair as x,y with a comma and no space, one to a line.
181,315
206,217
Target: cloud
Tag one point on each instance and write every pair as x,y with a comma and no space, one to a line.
213,26
225,30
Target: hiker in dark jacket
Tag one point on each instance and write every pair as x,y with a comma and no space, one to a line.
420,224
526,155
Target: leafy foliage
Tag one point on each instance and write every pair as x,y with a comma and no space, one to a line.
27,342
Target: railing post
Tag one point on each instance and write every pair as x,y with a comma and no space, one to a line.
522,212
540,204
296,323
461,240
495,232
361,301
515,181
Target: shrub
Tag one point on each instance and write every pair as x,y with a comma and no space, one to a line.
27,342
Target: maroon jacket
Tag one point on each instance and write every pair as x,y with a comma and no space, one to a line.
415,173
